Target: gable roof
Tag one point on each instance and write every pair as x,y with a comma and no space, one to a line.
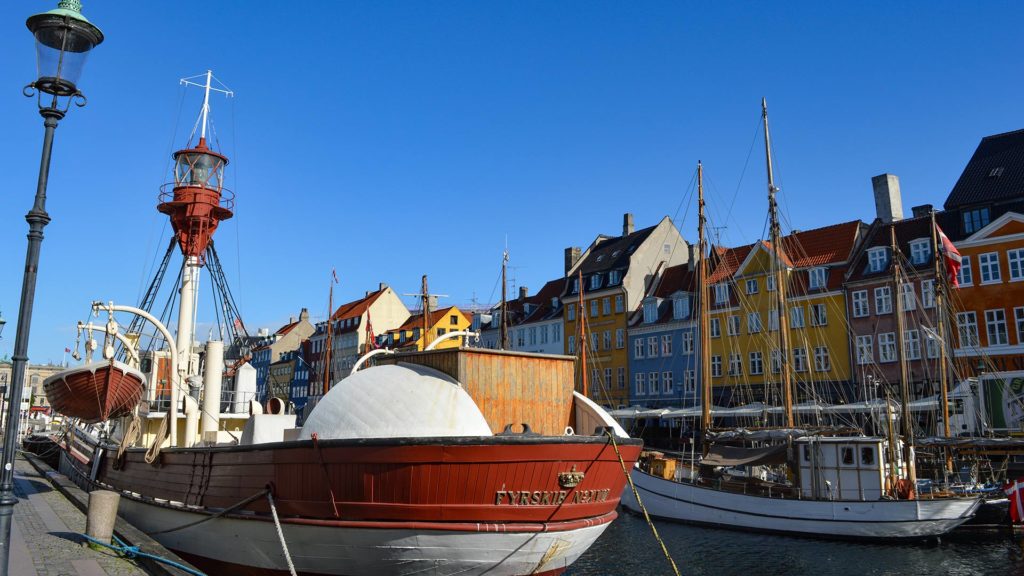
286,328
994,173
416,320
542,300
879,236
822,246
611,253
675,279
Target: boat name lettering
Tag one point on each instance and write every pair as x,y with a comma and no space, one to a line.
548,497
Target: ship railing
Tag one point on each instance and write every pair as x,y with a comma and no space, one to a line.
227,197
231,402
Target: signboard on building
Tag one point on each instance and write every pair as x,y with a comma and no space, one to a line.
1004,401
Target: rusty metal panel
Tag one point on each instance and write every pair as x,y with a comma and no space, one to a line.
509,387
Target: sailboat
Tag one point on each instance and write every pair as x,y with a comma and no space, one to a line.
843,486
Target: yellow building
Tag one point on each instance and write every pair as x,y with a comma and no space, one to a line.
409,335
615,272
744,326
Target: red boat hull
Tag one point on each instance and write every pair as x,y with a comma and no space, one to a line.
95,392
367,497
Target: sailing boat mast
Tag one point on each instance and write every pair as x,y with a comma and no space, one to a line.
330,330
940,314
908,426
780,279
584,385
504,302
426,312
702,311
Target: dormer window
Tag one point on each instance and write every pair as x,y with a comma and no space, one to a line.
920,251
554,303
878,258
595,281
650,310
721,293
614,277
816,276
575,286
680,307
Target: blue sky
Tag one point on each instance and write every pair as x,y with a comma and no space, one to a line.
392,139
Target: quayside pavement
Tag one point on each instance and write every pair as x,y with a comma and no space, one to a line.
46,538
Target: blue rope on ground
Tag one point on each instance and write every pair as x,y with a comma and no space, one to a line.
134,552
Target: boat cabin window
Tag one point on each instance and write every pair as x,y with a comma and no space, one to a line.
146,365
867,455
847,453
807,453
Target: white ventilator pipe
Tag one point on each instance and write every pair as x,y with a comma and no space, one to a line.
212,379
186,309
191,420
443,337
362,359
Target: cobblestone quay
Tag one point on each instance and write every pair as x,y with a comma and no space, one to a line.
46,539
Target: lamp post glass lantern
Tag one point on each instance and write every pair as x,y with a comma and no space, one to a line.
63,40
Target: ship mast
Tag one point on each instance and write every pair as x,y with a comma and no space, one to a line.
584,385
504,302
426,313
196,203
939,294
702,312
780,278
330,332
908,426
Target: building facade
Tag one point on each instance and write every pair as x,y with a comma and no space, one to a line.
664,343
744,322
605,285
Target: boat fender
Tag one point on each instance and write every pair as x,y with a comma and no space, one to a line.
569,431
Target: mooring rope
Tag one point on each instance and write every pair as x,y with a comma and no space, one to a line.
636,495
135,552
280,533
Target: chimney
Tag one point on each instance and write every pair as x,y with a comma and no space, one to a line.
627,224
888,202
382,286
694,256
291,319
922,210
522,292
304,315
572,255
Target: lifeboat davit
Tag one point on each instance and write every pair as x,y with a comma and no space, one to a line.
95,392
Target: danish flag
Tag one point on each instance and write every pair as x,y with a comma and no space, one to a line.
951,255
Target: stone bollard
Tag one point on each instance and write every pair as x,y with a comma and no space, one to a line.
99,522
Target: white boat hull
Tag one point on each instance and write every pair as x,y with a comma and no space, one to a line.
881,519
254,547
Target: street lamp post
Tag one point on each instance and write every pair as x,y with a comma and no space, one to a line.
63,40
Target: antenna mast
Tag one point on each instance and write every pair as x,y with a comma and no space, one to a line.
504,302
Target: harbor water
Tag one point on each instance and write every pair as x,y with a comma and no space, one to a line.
628,548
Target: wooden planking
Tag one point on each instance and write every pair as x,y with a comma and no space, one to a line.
509,387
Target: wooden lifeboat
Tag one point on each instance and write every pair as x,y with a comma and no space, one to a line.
95,392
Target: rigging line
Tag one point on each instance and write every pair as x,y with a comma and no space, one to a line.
235,181
753,141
